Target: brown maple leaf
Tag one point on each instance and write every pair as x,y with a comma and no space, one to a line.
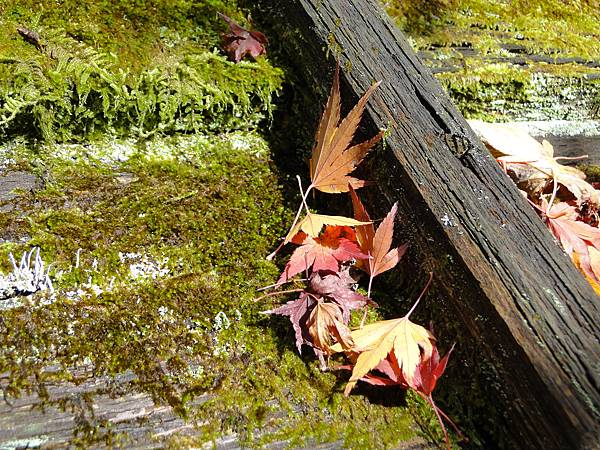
338,288
240,42
332,160
326,326
298,312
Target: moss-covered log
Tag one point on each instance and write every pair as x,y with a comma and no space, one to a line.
532,315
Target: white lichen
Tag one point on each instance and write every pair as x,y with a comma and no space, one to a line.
29,277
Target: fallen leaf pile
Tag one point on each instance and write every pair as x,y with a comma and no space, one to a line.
567,203
331,250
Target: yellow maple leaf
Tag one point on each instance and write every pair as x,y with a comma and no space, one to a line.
411,343
312,224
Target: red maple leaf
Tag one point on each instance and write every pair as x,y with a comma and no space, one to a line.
575,236
426,374
240,42
324,253
298,311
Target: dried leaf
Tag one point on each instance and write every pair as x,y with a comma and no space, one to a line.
376,243
595,264
575,236
325,325
332,160
532,163
338,288
335,245
240,42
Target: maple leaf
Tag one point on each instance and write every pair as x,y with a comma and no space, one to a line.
240,42
530,162
338,288
335,245
312,224
427,373
326,324
595,264
332,160
410,344
298,311
575,236
377,243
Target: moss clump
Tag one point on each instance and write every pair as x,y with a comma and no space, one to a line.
552,27
74,88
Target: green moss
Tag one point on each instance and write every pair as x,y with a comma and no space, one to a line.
511,60
550,27
74,88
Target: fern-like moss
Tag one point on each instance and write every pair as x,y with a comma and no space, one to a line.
64,94
128,68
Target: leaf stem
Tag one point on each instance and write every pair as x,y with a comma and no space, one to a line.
278,284
271,294
554,190
437,413
362,322
304,196
421,295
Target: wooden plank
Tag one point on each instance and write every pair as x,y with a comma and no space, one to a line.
515,292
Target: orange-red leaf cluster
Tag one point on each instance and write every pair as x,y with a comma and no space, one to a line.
568,204
331,249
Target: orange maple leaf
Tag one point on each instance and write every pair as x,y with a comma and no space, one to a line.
336,244
332,160
377,243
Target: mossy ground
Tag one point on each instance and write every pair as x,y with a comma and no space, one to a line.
507,60
157,246
171,250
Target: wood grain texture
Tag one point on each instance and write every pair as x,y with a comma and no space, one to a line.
512,287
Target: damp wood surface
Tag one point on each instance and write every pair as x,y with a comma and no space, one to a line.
510,285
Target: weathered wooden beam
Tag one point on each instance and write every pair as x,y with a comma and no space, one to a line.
513,289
